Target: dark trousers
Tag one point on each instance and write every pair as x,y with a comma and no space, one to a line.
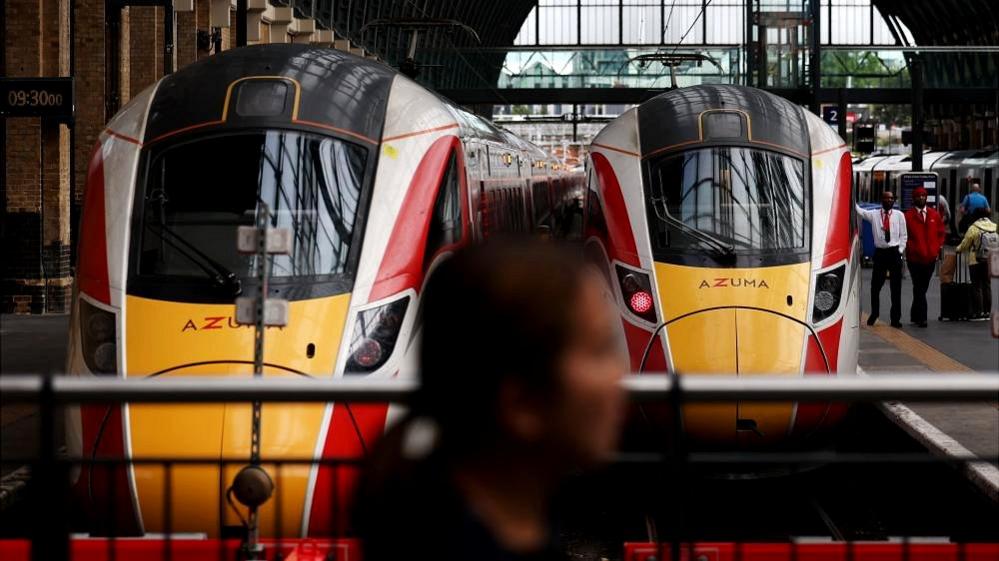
887,263
981,289
920,274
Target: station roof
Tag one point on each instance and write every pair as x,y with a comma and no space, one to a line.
453,62
952,23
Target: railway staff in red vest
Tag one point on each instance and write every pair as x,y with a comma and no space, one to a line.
926,233
889,247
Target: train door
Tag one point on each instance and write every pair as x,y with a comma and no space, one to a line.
879,182
960,186
478,198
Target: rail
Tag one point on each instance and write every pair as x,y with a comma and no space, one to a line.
647,387
47,497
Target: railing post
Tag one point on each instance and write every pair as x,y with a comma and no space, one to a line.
50,536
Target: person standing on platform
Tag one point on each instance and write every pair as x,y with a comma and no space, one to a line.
980,240
890,237
925,232
973,201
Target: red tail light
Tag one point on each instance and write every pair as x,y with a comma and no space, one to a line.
376,331
640,302
636,291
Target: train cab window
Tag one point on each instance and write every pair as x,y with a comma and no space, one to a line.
726,202
196,194
445,224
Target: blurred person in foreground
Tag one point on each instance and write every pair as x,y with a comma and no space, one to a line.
520,385
979,241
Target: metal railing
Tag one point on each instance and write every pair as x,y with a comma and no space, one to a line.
50,532
940,387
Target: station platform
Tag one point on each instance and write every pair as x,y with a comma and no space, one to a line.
955,429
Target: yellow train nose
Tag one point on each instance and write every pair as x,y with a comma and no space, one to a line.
747,342
196,491
198,340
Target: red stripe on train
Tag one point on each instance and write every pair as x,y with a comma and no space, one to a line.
810,416
621,238
92,265
838,242
353,429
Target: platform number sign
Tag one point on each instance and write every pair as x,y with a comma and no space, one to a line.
830,114
50,98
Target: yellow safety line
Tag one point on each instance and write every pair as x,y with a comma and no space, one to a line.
929,356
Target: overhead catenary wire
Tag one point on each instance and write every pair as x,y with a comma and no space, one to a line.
697,18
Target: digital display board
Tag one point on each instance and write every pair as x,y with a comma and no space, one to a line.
50,98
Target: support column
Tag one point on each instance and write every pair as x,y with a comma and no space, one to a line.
843,108
145,46
187,37
90,74
916,72
815,56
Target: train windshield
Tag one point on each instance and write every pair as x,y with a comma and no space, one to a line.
728,201
198,193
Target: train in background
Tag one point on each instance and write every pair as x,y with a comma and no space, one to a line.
723,220
874,174
376,178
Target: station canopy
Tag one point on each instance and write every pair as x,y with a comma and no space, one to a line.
512,35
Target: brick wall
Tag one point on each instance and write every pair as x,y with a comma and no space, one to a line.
46,163
145,52
34,269
90,44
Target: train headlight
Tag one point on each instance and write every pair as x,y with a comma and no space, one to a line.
636,291
376,331
98,338
828,292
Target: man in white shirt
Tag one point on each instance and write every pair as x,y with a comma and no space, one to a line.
890,235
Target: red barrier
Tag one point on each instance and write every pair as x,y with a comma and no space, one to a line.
147,549
839,551
349,550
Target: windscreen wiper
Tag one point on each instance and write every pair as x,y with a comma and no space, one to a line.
720,248
219,274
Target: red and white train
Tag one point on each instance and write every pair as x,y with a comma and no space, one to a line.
376,177
723,217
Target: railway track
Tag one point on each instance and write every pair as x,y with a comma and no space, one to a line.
835,502
923,501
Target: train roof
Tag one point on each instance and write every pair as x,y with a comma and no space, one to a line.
961,158
770,120
328,89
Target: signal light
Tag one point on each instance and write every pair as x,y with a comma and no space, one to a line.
376,331
640,302
828,293
636,291
98,339
368,354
